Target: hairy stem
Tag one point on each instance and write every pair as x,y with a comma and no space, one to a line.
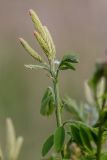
57,104
54,74
57,108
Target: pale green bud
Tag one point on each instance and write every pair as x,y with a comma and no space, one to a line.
11,138
43,44
50,42
37,23
17,148
43,36
13,144
31,51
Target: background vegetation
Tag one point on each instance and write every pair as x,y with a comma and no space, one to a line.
78,26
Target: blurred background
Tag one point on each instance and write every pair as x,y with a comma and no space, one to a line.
78,26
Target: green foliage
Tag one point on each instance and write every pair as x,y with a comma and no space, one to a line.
59,138
88,158
86,138
103,156
86,130
67,62
75,134
47,145
47,103
84,135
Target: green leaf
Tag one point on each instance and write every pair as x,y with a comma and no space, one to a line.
75,134
47,104
97,75
83,135
66,65
70,58
86,138
92,132
59,138
67,62
47,145
94,135
103,119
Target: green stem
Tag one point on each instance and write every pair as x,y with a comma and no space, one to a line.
100,132
57,104
57,108
99,144
54,74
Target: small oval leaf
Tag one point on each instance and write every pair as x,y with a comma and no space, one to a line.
67,62
86,138
47,145
94,135
59,138
47,104
75,134
70,58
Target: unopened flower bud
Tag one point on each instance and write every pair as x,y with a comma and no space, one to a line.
50,42
37,23
43,44
31,51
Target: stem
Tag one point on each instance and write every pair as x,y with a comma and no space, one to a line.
57,107
54,74
99,143
57,103
100,132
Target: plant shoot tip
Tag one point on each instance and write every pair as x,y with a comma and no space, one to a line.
30,11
